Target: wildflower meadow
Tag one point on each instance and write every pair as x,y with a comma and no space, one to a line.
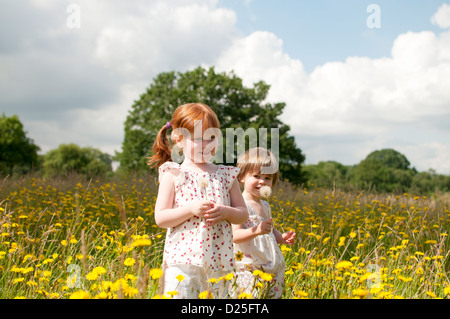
71,237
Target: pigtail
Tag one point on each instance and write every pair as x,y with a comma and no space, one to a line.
161,149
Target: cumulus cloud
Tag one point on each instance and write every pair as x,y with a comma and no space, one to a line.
77,84
161,36
442,16
260,56
351,108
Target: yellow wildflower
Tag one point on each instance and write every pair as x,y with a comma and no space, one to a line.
360,292
431,294
244,295
141,243
447,290
205,295
344,264
129,262
266,277
229,276
155,273
172,293
80,295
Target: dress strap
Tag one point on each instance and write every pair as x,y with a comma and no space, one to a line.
250,209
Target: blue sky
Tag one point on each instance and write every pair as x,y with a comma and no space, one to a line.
321,31
349,89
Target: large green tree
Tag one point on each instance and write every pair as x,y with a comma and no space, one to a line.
387,170
390,158
236,106
71,158
18,153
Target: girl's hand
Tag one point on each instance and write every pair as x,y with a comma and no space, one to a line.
216,214
265,227
289,237
200,207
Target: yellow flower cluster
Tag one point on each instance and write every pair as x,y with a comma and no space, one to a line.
70,238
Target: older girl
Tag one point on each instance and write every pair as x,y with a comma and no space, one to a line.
197,202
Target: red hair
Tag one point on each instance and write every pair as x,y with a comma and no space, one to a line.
184,117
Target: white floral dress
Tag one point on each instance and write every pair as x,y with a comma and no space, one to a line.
260,253
193,242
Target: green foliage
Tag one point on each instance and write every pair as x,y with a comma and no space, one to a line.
235,105
70,158
430,182
387,170
18,153
327,174
373,173
383,171
389,158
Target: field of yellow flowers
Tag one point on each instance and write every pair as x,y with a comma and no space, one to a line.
76,238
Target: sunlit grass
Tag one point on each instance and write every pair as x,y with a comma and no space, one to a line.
63,238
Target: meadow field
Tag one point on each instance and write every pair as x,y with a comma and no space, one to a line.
78,238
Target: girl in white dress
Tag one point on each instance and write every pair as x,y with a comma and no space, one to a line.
256,239
197,202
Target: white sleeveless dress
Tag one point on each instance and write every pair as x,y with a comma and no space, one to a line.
260,253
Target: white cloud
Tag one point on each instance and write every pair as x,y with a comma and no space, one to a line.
76,85
432,155
161,37
377,99
260,56
442,16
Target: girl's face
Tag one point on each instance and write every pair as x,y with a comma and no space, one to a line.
254,182
200,149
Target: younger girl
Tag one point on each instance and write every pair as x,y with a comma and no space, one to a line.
197,200
256,239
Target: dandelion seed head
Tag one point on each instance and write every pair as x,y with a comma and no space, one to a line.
203,182
265,191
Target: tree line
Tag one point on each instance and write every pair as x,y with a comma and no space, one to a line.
385,170
237,106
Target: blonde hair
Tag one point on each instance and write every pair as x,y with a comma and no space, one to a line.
253,160
184,117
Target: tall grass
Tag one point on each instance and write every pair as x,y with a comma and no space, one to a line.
74,237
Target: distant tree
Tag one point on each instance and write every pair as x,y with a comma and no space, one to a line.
18,153
385,170
235,105
429,182
70,158
390,158
327,174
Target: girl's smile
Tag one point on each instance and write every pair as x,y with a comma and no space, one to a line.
253,184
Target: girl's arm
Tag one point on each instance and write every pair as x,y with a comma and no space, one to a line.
236,213
165,215
286,238
278,236
241,235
